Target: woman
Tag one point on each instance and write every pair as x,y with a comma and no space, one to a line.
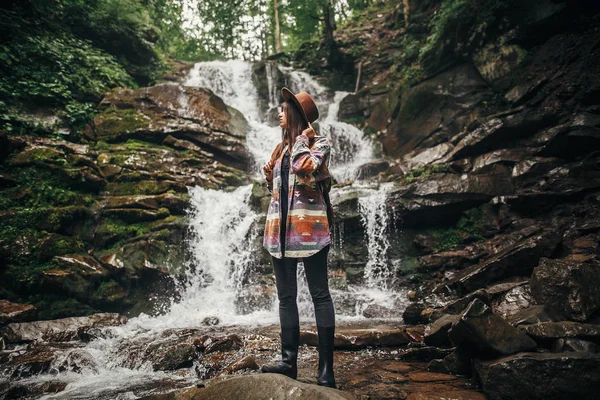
297,227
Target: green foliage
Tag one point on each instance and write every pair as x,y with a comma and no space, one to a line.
459,24
425,172
41,188
471,225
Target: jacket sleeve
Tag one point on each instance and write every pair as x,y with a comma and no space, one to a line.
305,159
272,161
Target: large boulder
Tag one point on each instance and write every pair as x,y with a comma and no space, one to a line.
438,107
495,133
569,287
541,376
59,330
276,386
517,260
488,332
193,114
442,197
15,312
563,329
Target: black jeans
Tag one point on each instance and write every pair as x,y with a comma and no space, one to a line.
315,267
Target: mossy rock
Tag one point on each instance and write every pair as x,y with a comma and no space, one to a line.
135,215
114,122
111,231
53,306
110,295
58,245
38,156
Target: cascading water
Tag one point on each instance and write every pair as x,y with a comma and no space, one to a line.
223,244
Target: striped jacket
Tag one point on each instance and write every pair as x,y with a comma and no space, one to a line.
307,229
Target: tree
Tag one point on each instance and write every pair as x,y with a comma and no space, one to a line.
277,28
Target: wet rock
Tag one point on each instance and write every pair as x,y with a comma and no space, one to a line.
254,297
84,265
349,338
425,243
372,169
494,133
488,332
211,321
57,245
459,362
33,390
377,311
426,353
572,139
186,113
226,343
78,361
509,157
533,315
247,362
513,301
517,260
563,329
434,103
20,364
176,204
570,288
436,334
134,215
427,156
447,395
15,312
430,377
58,330
279,387
575,345
451,259
172,357
458,306
443,197
541,376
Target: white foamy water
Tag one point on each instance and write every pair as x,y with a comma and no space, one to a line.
223,245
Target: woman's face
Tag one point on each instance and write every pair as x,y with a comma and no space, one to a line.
282,118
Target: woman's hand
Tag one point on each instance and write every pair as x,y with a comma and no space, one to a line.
309,132
268,170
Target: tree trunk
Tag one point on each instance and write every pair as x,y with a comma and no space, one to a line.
329,20
277,30
406,12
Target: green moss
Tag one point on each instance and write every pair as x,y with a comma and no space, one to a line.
111,232
425,172
41,188
471,225
115,121
52,306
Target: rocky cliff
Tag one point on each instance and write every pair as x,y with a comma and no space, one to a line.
492,134
99,225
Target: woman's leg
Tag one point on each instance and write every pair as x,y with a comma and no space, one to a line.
287,290
316,276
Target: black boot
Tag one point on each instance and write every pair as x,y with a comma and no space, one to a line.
326,337
290,338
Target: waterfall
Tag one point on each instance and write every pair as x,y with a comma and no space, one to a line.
232,80
376,219
223,243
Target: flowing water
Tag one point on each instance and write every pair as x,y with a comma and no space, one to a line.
224,238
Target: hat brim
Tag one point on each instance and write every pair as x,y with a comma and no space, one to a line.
287,95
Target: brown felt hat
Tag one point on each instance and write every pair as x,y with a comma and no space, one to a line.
305,103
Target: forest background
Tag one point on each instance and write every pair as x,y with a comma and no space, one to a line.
65,54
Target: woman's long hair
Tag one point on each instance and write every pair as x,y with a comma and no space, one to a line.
295,123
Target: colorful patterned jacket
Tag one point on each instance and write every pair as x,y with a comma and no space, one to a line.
307,229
